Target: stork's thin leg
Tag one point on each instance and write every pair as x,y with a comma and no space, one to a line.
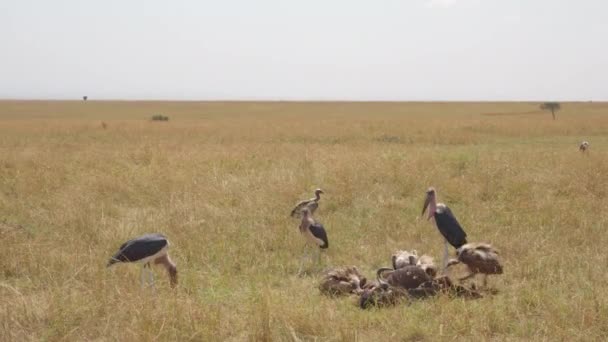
319,257
151,274
303,258
142,276
445,256
485,281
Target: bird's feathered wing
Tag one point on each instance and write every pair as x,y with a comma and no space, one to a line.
139,248
318,231
485,247
404,258
408,277
480,258
450,228
342,280
310,204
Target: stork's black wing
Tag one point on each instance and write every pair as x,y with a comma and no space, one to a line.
139,248
319,232
450,228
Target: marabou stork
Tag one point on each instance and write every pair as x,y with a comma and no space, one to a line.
146,249
313,232
584,146
446,223
311,204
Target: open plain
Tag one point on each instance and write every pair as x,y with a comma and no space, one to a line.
220,178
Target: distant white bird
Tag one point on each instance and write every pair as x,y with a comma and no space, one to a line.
312,204
146,249
584,146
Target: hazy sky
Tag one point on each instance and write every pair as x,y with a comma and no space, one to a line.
313,49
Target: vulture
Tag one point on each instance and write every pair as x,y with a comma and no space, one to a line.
312,204
480,258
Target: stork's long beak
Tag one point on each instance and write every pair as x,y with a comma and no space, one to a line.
427,201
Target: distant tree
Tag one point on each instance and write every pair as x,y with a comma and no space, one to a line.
552,106
84,98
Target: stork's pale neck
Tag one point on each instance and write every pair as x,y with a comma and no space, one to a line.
307,221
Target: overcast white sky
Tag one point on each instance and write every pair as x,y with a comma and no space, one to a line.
313,49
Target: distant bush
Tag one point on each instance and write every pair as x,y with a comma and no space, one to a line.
393,139
160,117
390,139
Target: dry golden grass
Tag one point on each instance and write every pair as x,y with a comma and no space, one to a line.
219,179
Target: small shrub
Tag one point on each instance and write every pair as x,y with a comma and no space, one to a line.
160,117
389,139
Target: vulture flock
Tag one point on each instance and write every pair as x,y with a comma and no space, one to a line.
411,276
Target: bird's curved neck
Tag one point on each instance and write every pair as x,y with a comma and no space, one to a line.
317,196
307,221
170,266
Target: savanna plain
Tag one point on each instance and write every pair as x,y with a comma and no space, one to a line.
220,178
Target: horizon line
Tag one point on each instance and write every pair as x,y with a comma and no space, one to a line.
295,100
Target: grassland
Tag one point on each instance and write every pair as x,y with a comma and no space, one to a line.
219,179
